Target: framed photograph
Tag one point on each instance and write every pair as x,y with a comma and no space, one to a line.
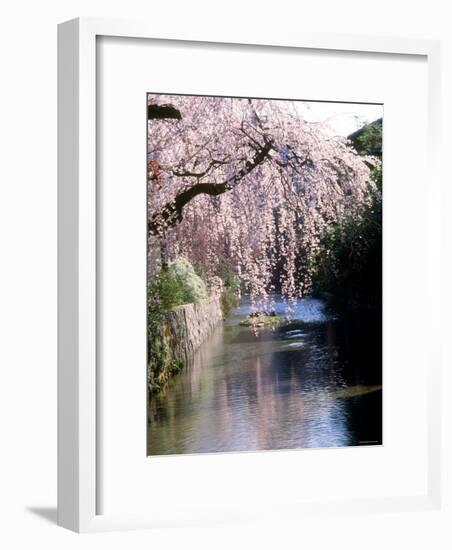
236,291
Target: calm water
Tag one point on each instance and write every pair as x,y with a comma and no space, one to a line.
315,382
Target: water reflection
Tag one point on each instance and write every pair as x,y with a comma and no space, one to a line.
314,383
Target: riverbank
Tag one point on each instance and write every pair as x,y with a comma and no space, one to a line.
183,329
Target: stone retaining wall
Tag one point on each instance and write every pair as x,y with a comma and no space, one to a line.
184,329
187,326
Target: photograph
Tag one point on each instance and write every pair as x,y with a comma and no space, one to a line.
264,274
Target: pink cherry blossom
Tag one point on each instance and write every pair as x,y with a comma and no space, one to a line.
251,183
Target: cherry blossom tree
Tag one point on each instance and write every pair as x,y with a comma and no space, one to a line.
251,183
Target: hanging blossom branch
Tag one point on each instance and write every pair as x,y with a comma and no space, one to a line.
172,212
250,184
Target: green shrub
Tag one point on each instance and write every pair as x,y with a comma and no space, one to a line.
228,300
177,284
192,288
168,289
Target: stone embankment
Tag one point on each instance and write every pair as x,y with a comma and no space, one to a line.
184,329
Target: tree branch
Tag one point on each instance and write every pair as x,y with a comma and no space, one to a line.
199,175
172,212
163,112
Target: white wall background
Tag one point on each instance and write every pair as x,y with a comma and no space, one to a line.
28,265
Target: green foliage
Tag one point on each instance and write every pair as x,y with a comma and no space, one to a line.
349,268
261,320
230,284
228,300
191,288
177,284
231,287
368,139
169,290
157,352
201,270
228,276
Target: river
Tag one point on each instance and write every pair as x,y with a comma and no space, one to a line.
314,382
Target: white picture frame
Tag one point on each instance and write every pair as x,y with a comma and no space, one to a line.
78,467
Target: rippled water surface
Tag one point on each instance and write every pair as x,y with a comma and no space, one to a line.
314,382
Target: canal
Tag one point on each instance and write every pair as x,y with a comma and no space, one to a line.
316,381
